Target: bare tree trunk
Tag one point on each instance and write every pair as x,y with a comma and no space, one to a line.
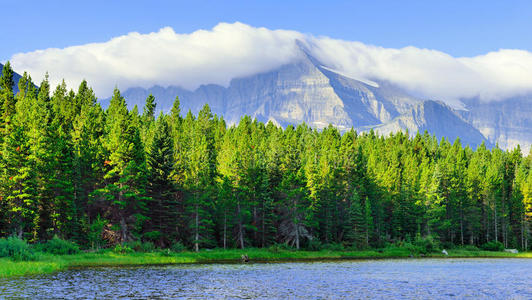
495,219
263,226
526,236
19,231
297,236
225,228
296,219
160,223
123,224
485,217
505,232
254,223
240,229
462,226
196,238
123,227
523,233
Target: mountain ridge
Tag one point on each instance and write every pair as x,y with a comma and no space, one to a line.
308,91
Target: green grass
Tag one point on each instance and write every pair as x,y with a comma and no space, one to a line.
482,253
9,268
47,263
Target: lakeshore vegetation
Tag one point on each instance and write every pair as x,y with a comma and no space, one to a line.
44,263
74,172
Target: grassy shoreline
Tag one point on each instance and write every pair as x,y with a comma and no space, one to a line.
47,263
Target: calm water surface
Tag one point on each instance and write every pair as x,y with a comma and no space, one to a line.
381,279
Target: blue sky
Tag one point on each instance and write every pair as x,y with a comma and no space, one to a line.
459,28
446,50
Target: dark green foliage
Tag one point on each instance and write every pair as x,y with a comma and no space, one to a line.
470,248
122,249
427,244
58,246
178,247
152,235
16,249
492,246
95,232
314,245
7,99
356,229
117,178
163,213
138,246
147,247
333,247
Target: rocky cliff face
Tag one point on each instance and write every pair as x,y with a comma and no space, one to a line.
306,91
507,123
438,119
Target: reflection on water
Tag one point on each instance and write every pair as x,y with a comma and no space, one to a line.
398,279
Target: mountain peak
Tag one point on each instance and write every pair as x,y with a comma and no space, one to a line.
309,91
305,53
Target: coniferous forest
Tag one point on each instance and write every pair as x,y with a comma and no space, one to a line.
99,177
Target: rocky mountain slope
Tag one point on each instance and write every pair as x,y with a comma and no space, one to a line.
306,91
507,122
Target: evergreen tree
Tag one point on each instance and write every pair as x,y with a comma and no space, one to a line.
199,167
7,99
71,169
163,211
19,185
125,179
356,233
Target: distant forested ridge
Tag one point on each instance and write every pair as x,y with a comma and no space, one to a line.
101,177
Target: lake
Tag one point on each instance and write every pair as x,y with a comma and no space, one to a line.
381,279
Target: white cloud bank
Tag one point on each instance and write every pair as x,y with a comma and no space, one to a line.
235,50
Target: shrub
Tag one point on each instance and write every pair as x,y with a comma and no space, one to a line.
412,248
333,247
139,246
134,245
448,245
427,244
152,235
314,245
16,249
58,246
470,248
147,247
122,249
493,246
178,247
95,232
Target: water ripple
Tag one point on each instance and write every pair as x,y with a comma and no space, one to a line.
383,279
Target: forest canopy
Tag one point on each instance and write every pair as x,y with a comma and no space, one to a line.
100,177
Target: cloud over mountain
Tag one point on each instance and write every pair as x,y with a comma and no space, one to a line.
235,50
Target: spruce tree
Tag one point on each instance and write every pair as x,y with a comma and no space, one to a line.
125,179
163,212
7,99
